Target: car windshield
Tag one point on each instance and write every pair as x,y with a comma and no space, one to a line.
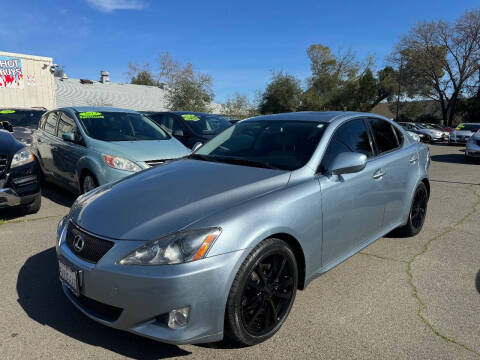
206,124
419,126
469,127
25,118
120,126
274,144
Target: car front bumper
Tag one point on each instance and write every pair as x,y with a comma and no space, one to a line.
142,296
472,150
20,186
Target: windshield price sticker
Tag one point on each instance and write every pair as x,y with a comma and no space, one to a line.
7,111
91,115
190,117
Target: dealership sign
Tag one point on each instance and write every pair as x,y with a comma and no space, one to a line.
11,75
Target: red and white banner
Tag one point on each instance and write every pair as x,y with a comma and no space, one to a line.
11,75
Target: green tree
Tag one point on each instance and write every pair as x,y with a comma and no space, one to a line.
283,94
187,89
141,75
439,60
239,107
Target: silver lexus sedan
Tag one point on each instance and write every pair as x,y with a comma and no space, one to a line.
219,242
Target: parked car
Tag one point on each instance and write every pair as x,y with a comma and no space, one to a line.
23,121
80,148
431,135
19,175
472,148
463,132
219,242
445,134
411,128
441,127
191,127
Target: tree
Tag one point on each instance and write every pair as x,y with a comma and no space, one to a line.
141,75
283,94
439,61
187,89
239,107
341,82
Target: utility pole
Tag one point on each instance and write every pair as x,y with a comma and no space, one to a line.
399,85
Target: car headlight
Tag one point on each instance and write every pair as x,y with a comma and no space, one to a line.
120,163
22,157
175,248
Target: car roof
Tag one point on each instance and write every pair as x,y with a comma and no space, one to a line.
96,108
320,116
469,123
23,109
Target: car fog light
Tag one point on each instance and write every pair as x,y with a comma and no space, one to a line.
178,318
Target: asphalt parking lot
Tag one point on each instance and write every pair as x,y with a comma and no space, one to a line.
399,298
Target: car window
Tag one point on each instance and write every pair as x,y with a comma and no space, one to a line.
65,124
349,137
171,123
384,135
51,124
278,144
120,126
205,123
21,118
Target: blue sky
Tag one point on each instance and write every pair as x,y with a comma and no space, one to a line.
238,43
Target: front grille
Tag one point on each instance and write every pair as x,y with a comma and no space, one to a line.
93,248
98,309
155,162
3,165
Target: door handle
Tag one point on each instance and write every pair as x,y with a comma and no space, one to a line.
378,174
413,159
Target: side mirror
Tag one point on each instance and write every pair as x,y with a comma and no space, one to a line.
347,163
197,146
68,136
178,133
7,126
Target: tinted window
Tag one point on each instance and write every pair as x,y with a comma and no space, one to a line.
206,123
25,118
285,145
469,127
349,137
384,135
119,126
51,123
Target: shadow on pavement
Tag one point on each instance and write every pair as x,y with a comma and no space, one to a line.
449,158
58,195
477,282
40,295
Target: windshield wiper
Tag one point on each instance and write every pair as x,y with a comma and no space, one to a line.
247,162
202,157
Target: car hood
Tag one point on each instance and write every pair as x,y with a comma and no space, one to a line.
8,144
23,134
170,197
143,150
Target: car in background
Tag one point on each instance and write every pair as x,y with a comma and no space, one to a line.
218,243
445,134
191,127
80,148
23,121
463,132
410,127
441,127
232,119
472,148
431,135
19,175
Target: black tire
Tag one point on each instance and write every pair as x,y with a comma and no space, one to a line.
262,293
88,179
418,212
34,206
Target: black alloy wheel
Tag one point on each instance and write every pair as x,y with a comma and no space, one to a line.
418,212
263,293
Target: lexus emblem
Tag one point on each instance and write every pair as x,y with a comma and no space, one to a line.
78,243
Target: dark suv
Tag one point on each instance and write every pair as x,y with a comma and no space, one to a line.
190,127
23,121
19,175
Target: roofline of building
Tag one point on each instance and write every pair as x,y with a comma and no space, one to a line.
26,56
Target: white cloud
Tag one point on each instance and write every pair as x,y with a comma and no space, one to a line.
112,5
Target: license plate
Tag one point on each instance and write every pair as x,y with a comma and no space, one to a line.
69,277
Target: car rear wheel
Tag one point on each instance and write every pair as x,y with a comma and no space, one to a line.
89,182
418,212
262,293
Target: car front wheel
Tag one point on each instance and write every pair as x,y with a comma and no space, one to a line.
89,182
262,293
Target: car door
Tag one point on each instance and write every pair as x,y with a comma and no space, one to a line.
46,136
68,152
352,204
399,163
